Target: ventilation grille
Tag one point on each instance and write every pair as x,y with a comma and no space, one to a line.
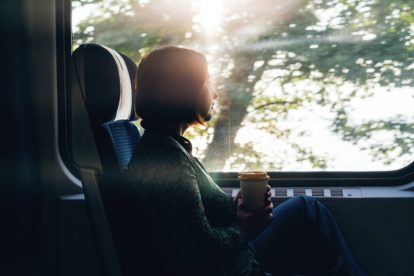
337,192
280,192
300,191
318,192
315,192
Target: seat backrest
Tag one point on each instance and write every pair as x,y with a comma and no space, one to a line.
104,139
105,79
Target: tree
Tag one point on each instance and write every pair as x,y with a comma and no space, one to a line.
321,47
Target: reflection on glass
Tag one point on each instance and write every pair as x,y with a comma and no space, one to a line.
303,85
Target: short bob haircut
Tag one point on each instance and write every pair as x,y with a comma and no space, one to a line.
168,84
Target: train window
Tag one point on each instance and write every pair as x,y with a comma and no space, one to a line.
320,85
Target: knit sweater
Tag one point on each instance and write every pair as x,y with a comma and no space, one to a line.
189,221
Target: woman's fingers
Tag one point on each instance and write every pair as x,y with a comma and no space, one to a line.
266,210
271,206
270,218
268,197
241,206
238,196
268,193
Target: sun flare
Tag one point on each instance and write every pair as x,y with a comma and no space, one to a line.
210,15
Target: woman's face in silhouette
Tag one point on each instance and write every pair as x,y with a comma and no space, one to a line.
205,103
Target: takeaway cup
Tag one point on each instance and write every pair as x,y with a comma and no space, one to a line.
253,186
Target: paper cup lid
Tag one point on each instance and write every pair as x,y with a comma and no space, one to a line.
252,176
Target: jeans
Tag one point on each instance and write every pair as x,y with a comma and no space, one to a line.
303,238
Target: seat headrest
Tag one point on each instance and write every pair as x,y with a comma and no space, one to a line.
106,79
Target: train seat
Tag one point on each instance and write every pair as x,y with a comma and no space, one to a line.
102,103
105,79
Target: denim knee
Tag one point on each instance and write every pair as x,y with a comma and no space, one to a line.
308,199
296,211
310,207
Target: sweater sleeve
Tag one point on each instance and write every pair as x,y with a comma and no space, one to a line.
188,235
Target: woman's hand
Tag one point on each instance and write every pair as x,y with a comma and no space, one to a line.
251,223
267,197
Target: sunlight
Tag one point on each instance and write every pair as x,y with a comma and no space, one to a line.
277,50
210,15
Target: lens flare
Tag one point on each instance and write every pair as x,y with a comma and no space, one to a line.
211,15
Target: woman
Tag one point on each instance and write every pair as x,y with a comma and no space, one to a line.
193,227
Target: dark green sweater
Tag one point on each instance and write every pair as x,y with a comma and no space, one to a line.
190,223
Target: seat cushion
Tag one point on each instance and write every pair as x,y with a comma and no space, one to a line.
125,136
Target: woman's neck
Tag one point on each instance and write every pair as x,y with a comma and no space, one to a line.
176,128
181,128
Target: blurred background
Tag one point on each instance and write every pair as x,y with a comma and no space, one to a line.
303,85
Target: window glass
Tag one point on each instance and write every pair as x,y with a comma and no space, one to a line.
303,85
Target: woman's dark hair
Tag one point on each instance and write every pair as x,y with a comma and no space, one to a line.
168,84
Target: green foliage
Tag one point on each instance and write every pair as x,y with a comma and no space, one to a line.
375,132
272,58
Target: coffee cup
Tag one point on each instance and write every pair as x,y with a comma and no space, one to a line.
253,187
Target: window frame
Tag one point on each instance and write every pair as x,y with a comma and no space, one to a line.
63,57
223,179
327,178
